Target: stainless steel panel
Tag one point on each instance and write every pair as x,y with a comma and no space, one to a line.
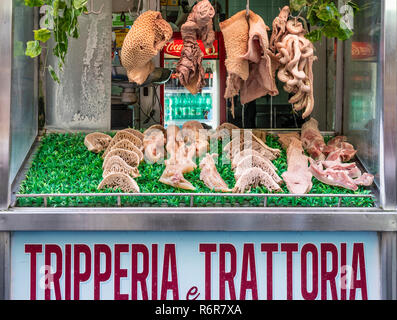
5,265
197,219
5,99
389,127
388,255
82,101
24,116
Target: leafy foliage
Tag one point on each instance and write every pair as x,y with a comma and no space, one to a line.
326,19
61,21
33,49
63,164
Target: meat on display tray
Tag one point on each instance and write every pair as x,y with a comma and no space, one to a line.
63,173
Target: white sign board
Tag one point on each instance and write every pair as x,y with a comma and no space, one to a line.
195,265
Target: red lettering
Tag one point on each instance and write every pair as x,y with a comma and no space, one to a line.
289,248
118,272
207,248
227,276
68,271
52,277
139,276
358,264
269,248
329,276
59,265
81,276
193,291
343,280
154,271
248,260
312,249
33,250
101,249
169,263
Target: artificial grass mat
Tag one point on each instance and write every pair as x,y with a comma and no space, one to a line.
62,164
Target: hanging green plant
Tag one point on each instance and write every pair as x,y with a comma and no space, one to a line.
328,20
61,23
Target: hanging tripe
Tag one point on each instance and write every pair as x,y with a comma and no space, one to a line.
248,62
148,35
252,62
198,26
295,56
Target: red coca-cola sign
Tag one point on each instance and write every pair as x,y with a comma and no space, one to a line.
363,50
174,49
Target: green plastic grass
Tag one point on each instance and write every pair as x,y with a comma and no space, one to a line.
63,164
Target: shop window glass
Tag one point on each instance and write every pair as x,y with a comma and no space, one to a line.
362,95
24,121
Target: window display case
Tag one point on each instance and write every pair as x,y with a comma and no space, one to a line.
49,179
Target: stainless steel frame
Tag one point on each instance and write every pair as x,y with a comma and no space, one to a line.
382,220
197,219
5,100
388,197
5,265
388,264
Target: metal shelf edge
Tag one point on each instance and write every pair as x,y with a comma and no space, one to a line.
196,219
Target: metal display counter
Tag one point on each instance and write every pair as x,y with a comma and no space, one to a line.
192,228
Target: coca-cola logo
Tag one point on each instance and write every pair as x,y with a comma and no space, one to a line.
174,47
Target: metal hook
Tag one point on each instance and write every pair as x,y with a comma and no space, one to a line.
91,11
137,13
139,6
247,9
